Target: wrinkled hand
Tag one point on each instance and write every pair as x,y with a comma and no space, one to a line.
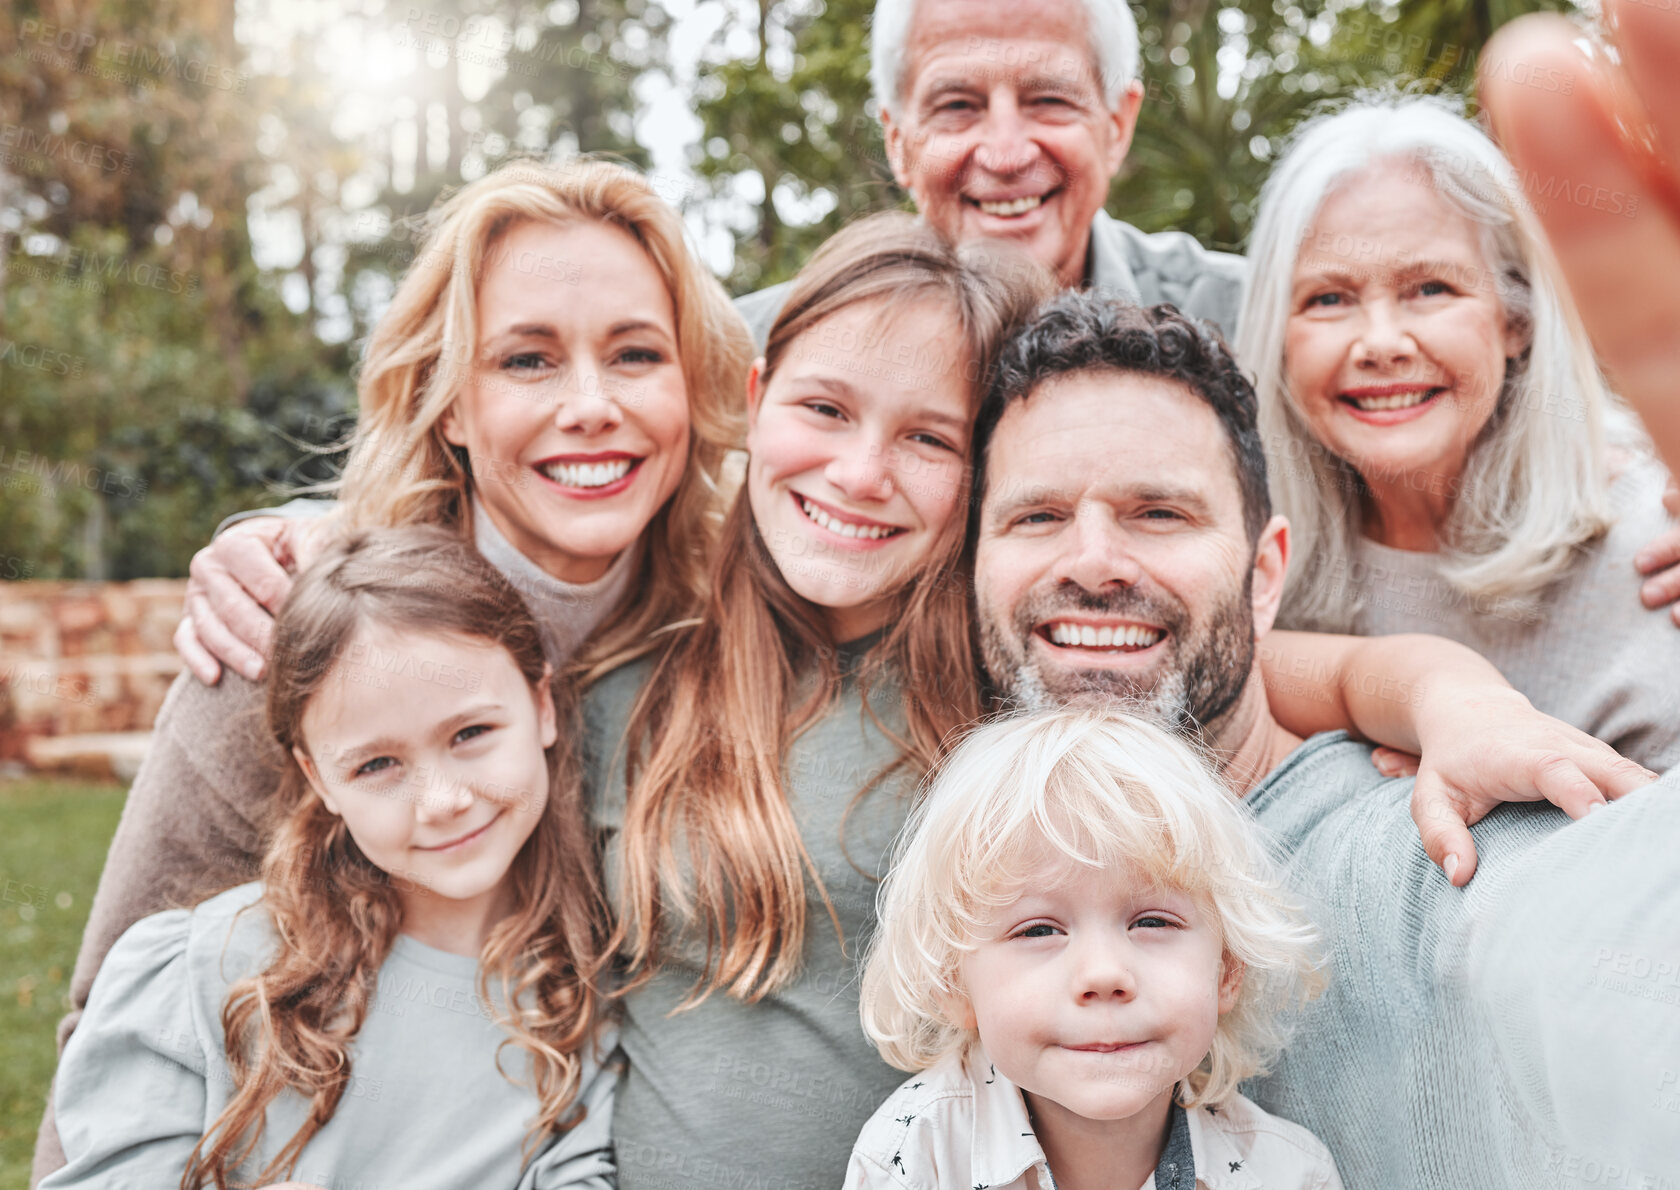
1490,746
237,585
1601,139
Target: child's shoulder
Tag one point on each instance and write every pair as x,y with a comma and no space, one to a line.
942,1087
922,1133
180,963
1239,1134
220,940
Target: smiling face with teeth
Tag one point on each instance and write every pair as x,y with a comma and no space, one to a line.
1005,133
1396,345
440,785
1113,561
857,465
575,418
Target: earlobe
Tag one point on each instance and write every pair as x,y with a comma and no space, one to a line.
1125,117
1271,568
1230,985
1517,341
958,1010
450,427
893,135
307,765
755,390
548,723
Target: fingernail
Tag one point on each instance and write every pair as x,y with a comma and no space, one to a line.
1450,866
1644,561
1591,806
1649,593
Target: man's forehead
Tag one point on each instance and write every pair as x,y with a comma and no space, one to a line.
1107,427
1091,412
1046,41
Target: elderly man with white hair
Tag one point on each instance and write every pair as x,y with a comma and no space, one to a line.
1007,120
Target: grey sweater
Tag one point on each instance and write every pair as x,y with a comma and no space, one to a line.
1523,1031
1591,654
771,1094
146,1073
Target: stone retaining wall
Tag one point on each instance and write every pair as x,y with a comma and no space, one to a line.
83,659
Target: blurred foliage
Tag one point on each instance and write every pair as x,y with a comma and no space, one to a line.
155,376
797,129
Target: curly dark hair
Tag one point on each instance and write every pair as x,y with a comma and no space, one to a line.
1081,331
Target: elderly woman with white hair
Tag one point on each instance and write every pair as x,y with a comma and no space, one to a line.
1438,433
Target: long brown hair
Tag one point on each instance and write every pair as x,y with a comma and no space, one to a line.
337,915
709,730
403,471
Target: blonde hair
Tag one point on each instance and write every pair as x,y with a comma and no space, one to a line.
1106,790
1536,483
419,357
709,830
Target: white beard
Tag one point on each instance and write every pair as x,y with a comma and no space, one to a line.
1167,705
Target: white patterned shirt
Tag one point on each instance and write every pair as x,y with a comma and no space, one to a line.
961,1125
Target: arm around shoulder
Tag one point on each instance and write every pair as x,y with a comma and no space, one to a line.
302,509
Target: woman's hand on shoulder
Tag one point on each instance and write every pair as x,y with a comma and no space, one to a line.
1484,747
1659,561
237,585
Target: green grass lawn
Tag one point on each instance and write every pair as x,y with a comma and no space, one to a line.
53,839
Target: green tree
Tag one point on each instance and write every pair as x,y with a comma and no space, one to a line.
132,312
796,128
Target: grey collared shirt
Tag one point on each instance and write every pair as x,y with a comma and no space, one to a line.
1146,267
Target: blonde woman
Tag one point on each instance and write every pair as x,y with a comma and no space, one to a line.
1084,947
555,380
1437,431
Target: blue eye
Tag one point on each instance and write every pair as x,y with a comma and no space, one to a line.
471,733
1434,288
1038,930
640,355
1153,922
1325,299
375,765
